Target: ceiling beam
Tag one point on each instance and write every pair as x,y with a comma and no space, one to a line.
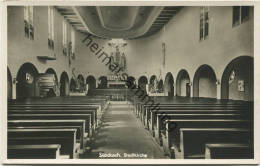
163,19
175,10
166,15
168,12
171,8
70,16
67,13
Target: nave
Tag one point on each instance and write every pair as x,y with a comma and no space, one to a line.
174,82
121,132
98,127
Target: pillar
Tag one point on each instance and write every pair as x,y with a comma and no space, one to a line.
175,89
14,82
191,89
218,83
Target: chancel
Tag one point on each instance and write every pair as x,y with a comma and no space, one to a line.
130,82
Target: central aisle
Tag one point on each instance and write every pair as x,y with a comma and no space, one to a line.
121,132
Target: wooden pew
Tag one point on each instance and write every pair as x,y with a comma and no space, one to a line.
54,124
228,151
65,137
193,140
93,103
64,141
48,151
85,99
159,123
158,117
24,123
171,134
65,106
69,110
54,116
149,115
144,108
28,106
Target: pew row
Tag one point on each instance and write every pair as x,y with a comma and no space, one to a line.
65,137
193,140
85,117
95,119
228,151
54,124
48,151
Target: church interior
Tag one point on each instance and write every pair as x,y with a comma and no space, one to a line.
130,82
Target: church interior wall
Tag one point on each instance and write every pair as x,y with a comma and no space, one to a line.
27,50
144,55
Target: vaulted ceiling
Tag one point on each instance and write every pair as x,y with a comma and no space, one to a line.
127,22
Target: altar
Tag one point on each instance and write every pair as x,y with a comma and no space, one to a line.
115,81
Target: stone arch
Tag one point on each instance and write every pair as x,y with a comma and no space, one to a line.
131,81
52,71
64,84
73,85
142,81
237,80
160,86
81,82
169,84
27,81
102,82
204,82
91,81
9,84
183,83
152,78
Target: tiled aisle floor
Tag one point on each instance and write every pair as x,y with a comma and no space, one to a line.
121,132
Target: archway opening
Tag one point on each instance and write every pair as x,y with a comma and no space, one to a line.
81,82
152,79
52,71
204,82
64,84
142,81
73,85
27,81
9,84
91,81
183,83
131,82
160,86
153,84
54,90
169,84
102,82
237,81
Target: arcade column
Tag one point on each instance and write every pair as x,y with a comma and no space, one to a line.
218,84
175,89
191,89
14,82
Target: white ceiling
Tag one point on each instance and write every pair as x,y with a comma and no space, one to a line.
127,22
